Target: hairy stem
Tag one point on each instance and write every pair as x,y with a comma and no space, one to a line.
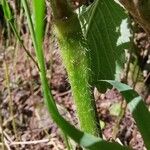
74,52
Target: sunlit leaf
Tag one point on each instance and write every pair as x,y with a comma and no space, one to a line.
105,26
138,109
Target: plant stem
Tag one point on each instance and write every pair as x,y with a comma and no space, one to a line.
10,100
74,52
1,130
9,18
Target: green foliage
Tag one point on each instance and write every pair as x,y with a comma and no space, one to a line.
138,109
6,9
105,26
39,14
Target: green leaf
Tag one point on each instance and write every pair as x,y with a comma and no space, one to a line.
105,26
39,14
7,11
138,109
86,140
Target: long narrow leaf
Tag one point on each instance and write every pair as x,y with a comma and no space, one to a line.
6,9
138,109
30,23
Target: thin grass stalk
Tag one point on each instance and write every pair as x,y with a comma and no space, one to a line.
17,46
67,141
2,139
39,119
9,19
1,131
21,42
7,78
30,23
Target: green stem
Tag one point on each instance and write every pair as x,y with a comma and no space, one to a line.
9,18
74,52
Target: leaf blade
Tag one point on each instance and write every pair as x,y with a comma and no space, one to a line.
103,25
137,107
